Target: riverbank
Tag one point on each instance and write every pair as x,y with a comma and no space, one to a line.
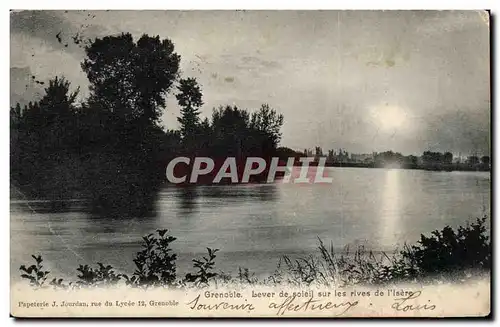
448,254
437,167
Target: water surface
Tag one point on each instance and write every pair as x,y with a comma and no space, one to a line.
253,225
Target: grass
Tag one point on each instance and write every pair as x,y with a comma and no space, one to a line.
444,254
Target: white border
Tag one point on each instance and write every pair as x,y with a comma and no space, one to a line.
494,5
255,4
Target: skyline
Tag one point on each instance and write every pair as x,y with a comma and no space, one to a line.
409,82
337,152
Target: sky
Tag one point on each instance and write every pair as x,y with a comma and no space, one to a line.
363,81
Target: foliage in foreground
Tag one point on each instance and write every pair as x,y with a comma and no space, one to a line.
446,253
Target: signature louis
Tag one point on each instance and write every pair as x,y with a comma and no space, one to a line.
407,304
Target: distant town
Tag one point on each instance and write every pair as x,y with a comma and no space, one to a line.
428,160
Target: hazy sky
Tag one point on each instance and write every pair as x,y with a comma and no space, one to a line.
359,80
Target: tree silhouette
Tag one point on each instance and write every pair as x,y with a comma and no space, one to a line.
131,79
44,138
448,158
472,160
190,100
236,132
229,125
267,121
57,108
109,149
15,116
127,149
485,160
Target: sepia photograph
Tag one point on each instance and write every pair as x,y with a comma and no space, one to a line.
250,163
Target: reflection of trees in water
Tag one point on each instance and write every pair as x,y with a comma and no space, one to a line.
190,198
140,225
186,196
48,206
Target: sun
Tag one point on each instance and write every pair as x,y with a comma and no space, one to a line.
389,117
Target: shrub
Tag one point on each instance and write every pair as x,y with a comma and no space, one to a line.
102,275
444,252
204,270
35,273
155,264
449,251
245,276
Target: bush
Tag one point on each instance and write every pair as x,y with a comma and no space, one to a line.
102,275
445,253
204,270
155,264
35,273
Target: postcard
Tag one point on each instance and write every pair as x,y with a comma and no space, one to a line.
246,163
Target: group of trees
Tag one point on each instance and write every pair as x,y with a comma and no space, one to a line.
110,147
475,160
231,131
428,160
434,159
429,157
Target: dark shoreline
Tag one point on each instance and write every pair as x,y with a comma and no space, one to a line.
448,168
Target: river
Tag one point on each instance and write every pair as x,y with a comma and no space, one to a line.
254,224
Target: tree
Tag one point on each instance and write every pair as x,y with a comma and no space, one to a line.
131,79
472,160
269,122
318,152
52,119
448,158
190,100
44,144
432,158
205,133
412,160
129,82
485,160
230,131
15,115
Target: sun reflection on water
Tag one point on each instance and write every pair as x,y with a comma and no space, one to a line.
390,213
